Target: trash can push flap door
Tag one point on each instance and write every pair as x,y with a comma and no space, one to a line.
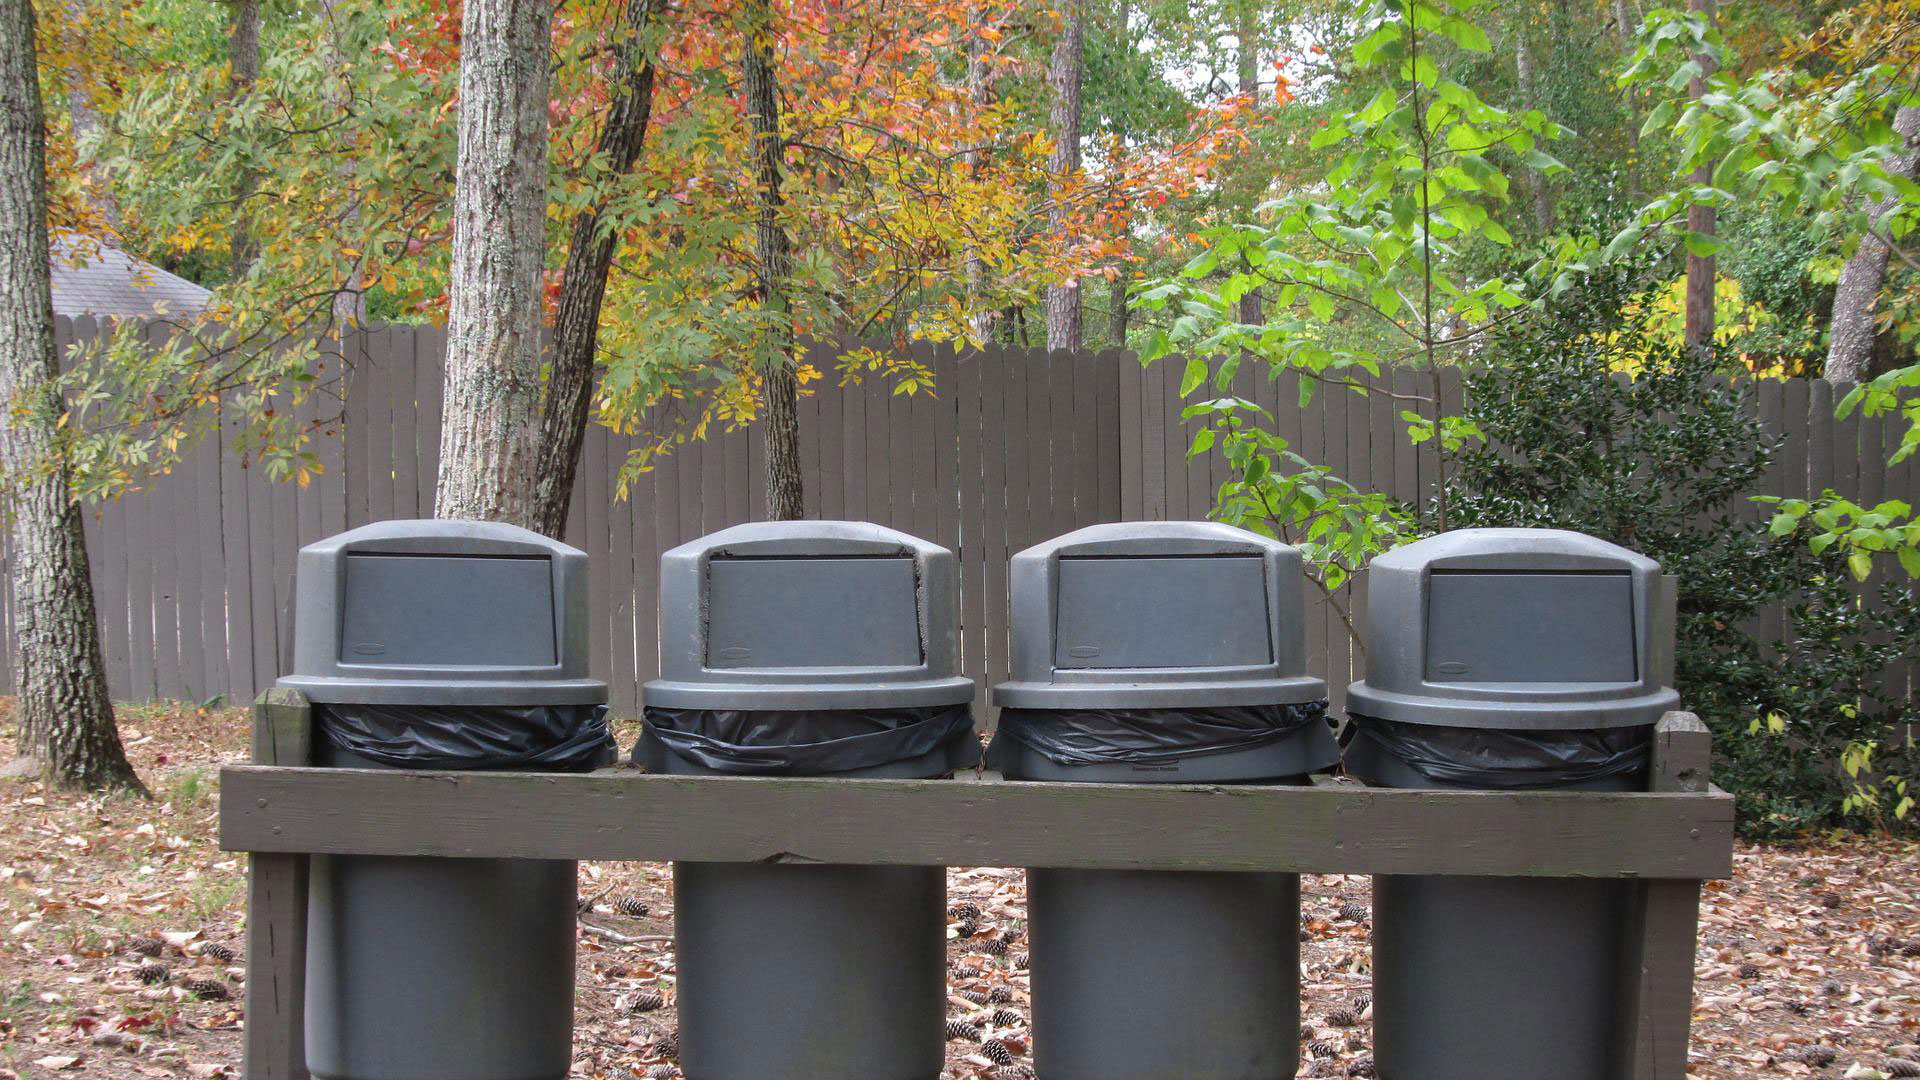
1530,627
1183,611
417,610
813,613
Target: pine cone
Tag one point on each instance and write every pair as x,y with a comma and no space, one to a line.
1799,1008
662,1071
1342,1018
1322,1068
1832,900
208,989
1000,995
1355,1044
1362,1003
1306,934
996,1051
1818,929
994,946
147,946
1013,1072
1007,1018
1020,961
1353,912
1362,1067
1747,971
1322,1049
218,952
631,906
967,928
965,911
1833,988
1910,949
978,997
667,1046
1901,1067
646,1001
151,973
1817,1056
1776,949
961,1031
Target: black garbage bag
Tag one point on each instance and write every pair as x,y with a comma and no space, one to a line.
1491,758
558,738
805,742
1145,736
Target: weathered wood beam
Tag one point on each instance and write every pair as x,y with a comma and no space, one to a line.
1670,914
622,814
275,1046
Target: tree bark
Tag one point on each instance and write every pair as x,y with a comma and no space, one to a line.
243,70
492,392
1625,25
1117,308
981,316
1702,270
65,716
1856,299
1538,184
1251,310
1063,300
784,483
576,332
350,298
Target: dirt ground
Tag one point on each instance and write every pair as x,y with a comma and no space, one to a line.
1809,965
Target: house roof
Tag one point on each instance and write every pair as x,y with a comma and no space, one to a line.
92,278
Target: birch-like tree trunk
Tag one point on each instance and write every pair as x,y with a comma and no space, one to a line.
784,482
1063,300
576,334
487,457
1539,186
1856,298
1247,42
982,317
1702,270
243,70
65,717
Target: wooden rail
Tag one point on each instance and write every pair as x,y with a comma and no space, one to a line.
1669,838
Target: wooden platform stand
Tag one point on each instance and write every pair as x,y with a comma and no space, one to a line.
281,811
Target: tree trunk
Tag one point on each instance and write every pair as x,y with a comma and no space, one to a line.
1702,270
243,61
784,484
1117,309
1627,27
1855,325
350,298
981,317
493,291
576,332
1248,43
1063,300
65,717
1538,184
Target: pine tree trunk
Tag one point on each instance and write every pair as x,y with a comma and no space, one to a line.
1063,301
350,297
1538,184
1625,25
492,392
576,332
1855,326
784,482
65,717
1702,270
243,62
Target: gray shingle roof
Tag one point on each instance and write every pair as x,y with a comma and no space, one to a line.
94,279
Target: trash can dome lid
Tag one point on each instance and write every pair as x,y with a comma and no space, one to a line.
785,615
1518,629
1157,615
441,612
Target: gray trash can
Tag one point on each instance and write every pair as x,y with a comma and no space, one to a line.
1162,653
1508,659
809,648
443,645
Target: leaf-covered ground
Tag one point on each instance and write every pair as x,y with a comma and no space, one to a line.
1810,962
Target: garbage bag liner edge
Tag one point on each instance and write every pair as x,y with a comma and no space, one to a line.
1148,736
804,742
558,737
1496,758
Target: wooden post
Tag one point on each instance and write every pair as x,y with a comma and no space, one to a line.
277,910
1670,915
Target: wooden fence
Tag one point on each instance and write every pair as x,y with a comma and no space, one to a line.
1015,446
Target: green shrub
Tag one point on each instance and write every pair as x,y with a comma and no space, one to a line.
1665,464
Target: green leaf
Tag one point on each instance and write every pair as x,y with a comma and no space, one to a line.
1194,376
